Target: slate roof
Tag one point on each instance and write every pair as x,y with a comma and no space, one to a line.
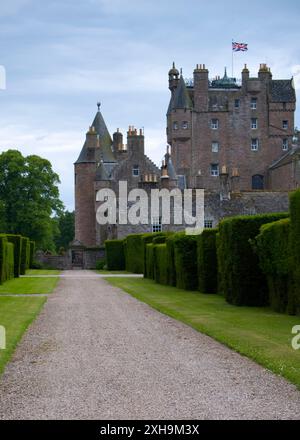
181,97
282,90
286,158
105,153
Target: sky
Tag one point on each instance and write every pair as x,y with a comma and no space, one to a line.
63,56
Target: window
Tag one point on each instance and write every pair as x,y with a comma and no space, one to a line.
236,103
253,103
208,224
254,144
175,125
257,182
215,147
214,124
254,123
214,169
285,144
135,171
285,125
185,125
156,224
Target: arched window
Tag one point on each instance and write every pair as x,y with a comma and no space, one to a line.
258,181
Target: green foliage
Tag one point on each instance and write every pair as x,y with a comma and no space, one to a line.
65,229
149,269
160,263
25,255
100,264
170,257
29,195
134,253
242,280
295,250
16,240
207,261
31,253
6,259
115,256
185,252
272,247
147,239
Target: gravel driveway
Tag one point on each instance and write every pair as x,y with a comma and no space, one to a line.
97,353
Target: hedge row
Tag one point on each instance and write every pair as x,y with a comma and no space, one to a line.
25,255
16,240
242,282
272,247
295,250
115,255
207,261
6,259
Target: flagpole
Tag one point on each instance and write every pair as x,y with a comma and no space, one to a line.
232,58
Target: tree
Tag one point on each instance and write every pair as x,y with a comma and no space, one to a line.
29,197
66,229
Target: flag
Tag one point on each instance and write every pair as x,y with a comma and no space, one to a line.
239,47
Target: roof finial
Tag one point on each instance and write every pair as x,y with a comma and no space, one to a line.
173,64
181,71
98,105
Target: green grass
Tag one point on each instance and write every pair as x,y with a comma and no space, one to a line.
43,272
16,314
28,286
258,333
113,272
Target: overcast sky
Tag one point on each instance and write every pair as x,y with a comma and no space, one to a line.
62,56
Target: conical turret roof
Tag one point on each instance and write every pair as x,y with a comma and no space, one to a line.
181,96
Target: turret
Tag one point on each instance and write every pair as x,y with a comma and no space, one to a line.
201,85
117,141
173,78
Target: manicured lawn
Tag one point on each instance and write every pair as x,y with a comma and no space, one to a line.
28,285
16,314
113,272
42,272
259,333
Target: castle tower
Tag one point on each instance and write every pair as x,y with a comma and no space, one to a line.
97,148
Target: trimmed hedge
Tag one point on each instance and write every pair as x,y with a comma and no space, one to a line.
6,259
32,253
9,258
170,257
295,251
115,256
25,255
185,253
149,269
17,242
134,253
147,239
160,263
272,247
242,280
207,261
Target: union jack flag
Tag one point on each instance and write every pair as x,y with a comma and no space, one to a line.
239,47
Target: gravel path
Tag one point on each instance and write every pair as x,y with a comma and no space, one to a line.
97,353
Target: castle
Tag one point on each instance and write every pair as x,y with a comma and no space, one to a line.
234,139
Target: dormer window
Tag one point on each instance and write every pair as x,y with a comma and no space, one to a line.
175,125
214,124
185,125
135,171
